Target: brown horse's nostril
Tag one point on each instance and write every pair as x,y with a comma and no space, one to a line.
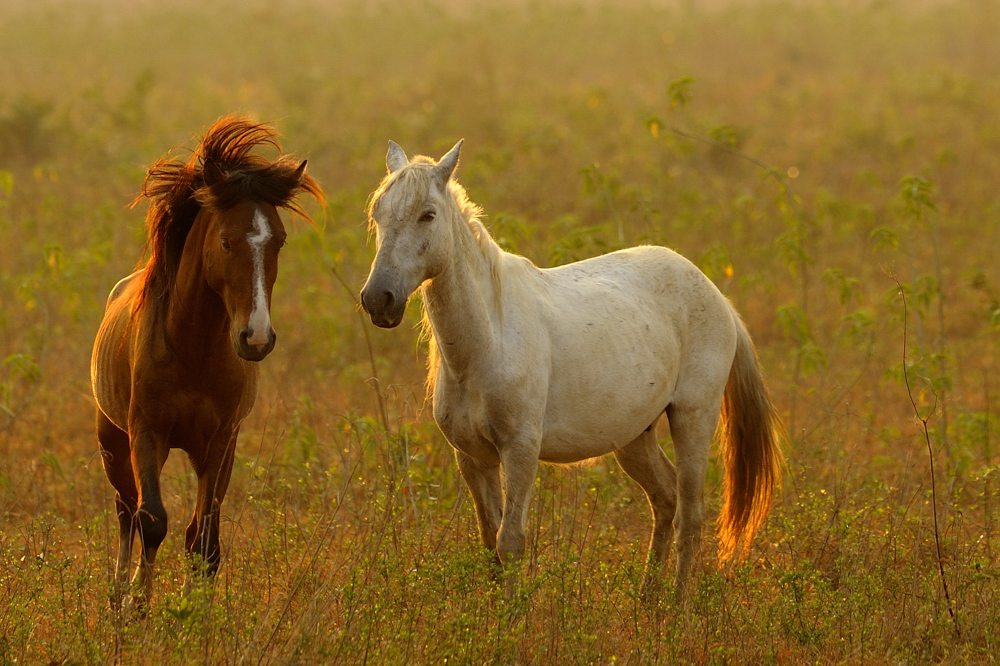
245,336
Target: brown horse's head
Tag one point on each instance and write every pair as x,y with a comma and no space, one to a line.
240,259
232,196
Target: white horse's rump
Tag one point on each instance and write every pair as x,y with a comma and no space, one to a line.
574,362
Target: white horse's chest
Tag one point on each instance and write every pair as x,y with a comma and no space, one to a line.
462,414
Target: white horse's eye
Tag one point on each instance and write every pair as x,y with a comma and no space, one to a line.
427,216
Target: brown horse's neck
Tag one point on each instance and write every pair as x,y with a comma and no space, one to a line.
197,322
460,306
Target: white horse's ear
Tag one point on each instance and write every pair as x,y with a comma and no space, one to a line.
446,167
395,159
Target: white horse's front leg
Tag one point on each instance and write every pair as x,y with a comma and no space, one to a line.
484,484
519,459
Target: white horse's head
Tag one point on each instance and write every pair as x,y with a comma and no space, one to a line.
411,210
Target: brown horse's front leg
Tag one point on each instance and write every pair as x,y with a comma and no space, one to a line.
149,453
202,536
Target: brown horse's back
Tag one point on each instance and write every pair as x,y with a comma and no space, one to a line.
111,363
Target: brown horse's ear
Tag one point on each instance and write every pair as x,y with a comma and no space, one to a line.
213,174
300,173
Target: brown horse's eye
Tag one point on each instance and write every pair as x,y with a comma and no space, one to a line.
226,246
427,216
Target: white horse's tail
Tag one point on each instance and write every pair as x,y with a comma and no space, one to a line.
749,435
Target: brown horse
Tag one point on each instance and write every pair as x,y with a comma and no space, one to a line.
174,364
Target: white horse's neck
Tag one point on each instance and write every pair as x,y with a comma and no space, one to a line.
461,304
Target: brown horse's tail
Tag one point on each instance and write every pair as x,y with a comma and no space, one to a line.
749,435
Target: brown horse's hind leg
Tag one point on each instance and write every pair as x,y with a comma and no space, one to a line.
644,461
118,467
202,536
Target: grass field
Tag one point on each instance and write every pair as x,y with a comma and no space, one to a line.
802,153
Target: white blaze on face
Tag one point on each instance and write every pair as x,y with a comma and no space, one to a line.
260,318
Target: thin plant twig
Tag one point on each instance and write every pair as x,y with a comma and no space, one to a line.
383,410
930,455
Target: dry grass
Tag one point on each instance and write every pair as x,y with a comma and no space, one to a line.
345,542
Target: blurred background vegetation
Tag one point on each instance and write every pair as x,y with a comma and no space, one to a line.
801,153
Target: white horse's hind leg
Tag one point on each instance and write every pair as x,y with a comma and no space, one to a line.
644,461
520,465
484,484
691,429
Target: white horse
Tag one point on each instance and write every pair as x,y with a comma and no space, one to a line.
569,363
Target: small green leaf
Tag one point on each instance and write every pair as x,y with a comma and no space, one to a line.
884,239
915,194
680,91
727,135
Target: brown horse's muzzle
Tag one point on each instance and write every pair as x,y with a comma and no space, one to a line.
250,352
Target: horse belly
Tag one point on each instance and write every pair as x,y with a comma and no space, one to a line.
591,414
615,363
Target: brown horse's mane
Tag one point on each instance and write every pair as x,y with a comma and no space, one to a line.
177,192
